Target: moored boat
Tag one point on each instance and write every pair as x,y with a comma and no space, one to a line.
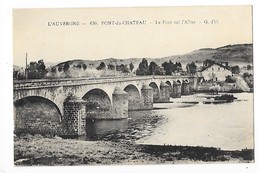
226,98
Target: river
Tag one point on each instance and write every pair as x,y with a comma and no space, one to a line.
185,121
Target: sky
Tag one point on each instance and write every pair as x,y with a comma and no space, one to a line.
205,27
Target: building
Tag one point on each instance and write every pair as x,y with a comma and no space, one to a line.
215,71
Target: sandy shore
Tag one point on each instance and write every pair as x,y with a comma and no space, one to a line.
38,150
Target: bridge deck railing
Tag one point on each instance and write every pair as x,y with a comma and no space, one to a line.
20,84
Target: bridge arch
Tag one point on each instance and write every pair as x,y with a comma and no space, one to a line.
156,92
134,99
98,103
185,80
36,100
35,114
169,83
178,81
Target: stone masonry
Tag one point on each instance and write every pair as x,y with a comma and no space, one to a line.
164,93
147,97
185,88
176,89
75,117
120,104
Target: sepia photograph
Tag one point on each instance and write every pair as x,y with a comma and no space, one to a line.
133,86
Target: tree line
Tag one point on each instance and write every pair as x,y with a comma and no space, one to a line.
167,68
123,67
37,70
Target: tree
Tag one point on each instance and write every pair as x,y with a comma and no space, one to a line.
102,66
41,67
191,68
169,67
84,66
66,66
249,67
246,75
59,68
131,66
143,68
159,71
122,68
166,68
19,74
152,68
249,79
15,74
33,71
230,79
178,66
53,69
37,70
125,69
79,66
208,62
110,67
235,69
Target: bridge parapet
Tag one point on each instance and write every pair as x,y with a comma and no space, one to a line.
23,84
20,84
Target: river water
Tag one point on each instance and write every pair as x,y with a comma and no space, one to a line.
185,121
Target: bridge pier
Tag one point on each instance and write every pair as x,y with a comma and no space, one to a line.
193,84
147,97
185,87
164,93
156,92
75,117
120,104
176,90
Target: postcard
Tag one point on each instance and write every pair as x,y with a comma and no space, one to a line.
127,86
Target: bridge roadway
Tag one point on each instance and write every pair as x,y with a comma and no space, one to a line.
23,84
77,99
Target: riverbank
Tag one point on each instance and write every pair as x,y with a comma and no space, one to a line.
38,150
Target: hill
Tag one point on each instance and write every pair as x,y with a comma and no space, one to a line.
16,67
230,53
238,53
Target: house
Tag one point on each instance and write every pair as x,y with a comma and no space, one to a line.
215,71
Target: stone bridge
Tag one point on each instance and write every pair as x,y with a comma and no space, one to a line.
93,98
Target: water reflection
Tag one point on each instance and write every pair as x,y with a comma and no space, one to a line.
138,125
97,129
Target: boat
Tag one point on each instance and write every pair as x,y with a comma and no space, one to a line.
236,91
215,101
185,105
225,98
